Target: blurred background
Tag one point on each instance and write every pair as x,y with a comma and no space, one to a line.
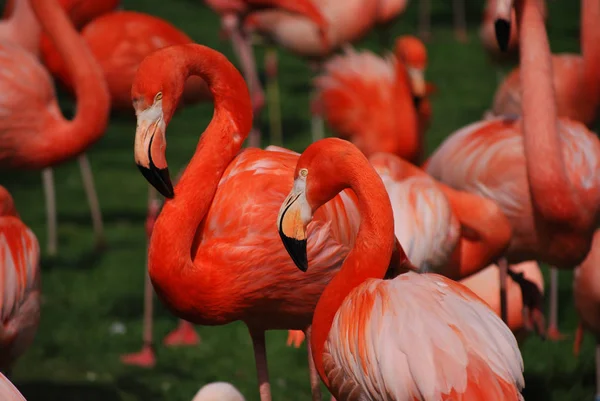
92,302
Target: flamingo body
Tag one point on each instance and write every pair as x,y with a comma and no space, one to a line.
488,159
120,41
8,392
249,255
586,288
19,286
82,12
420,337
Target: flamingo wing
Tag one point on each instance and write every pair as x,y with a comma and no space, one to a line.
421,337
8,392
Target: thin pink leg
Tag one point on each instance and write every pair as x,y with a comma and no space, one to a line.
243,49
425,19
50,195
184,334
262,370
553,333
146,357
315,381
92,197
460,21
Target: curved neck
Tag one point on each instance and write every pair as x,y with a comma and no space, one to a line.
550,189
590,48
70,138
25,28
181,216
409,141
369,258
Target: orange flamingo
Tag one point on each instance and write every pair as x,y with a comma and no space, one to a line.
232,13
361,344
549,192
370,100
206,267
8,392
119,41
34,133
575,77
20,26
20,284
586,289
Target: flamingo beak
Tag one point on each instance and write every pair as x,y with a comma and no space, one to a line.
502,23
417,82
294,216
149,149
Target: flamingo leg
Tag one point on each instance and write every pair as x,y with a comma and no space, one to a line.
146,357
317,123
260,356
92,197
597,398
460,23
184,334
315,381
273,97
50,195
425,19
553,332
243,49
503,268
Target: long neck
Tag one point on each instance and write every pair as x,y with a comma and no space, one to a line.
70,138
369,258
25,28
409,141
550,189
171,244
590,47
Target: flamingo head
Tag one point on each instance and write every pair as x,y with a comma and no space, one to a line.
412,52
155,93
317,180
502,23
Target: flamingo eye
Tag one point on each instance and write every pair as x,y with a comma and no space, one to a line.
158,97
303,172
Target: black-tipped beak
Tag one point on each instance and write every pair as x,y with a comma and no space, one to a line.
502,28
297,250
417,101
159,179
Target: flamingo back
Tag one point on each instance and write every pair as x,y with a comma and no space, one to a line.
120,41
347,21
8,392
488,159
27,103
355,96
19,289
420,337
239,236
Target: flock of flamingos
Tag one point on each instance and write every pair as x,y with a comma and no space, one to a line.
411,279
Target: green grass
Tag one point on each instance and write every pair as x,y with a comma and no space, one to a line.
75,357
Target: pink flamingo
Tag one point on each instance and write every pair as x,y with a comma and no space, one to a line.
231,12
586,289
205,266
19,284
550,192
8,392
35,136
20,26
382,339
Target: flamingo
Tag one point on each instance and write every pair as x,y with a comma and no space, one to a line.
20,26
232,13
206,267
119,41
541,170
382,339
8,392
586,292
370,100
34,134
20,284
218,391
460,24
